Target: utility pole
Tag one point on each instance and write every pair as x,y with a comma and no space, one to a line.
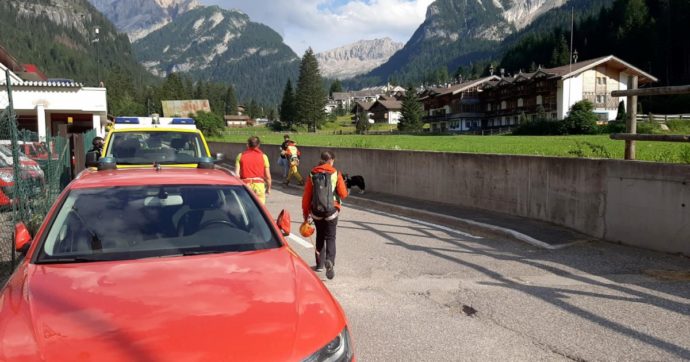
98,56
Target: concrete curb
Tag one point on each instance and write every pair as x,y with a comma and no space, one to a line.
471,225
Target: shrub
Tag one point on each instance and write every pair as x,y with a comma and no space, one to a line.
210,124
581,119
541,127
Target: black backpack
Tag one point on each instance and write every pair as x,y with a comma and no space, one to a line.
322,200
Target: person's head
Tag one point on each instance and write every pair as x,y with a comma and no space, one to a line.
98,142
286,137
327,157
253,142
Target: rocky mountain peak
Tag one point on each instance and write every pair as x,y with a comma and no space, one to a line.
356,58
139,18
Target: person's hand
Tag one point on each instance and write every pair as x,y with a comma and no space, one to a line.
268,190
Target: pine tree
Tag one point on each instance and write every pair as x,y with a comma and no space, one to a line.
336,87
311,97
411,120
230,101
561,53
288,107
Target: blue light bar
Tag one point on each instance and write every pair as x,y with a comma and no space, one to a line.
182,121
126,120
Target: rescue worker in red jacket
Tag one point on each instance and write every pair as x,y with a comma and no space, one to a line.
324,212
253,168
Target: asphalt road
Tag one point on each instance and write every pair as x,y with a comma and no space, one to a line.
415,291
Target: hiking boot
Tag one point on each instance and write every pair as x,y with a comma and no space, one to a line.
330,272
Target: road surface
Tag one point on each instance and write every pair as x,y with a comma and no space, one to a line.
415,291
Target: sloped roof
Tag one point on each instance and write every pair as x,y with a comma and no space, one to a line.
391,105
364,105
567,71
457,88
341,96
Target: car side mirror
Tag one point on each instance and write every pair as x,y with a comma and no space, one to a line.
284,222
22,238
220,156
91,159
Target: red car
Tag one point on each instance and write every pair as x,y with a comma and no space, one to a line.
6,185
165,265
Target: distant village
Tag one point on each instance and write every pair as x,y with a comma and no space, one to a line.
498,100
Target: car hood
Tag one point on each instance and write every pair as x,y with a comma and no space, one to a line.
261,305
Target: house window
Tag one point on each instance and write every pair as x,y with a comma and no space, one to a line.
540,100
488,107
601,99
601,80
553,115
520,102
504,104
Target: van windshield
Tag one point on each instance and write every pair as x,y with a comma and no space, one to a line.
123,223
144,147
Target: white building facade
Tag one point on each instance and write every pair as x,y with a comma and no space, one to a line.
42,106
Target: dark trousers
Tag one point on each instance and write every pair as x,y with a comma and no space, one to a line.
325,241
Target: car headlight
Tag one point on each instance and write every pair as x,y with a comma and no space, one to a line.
337,350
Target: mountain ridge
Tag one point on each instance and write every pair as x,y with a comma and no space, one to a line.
223,46
356,58
139,18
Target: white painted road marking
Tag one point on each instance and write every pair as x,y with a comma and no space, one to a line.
301,241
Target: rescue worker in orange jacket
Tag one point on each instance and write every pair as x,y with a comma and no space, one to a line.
325,224
253,168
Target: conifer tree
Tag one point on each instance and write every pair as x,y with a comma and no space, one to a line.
311,97
411,120
288,107
336,87
230,101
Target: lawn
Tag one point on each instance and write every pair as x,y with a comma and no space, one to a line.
598,146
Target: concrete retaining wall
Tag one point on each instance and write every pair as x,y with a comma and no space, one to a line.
637,203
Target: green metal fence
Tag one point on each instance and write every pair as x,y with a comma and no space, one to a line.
33,172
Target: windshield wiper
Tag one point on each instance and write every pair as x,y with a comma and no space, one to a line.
68,260
203,252
95,240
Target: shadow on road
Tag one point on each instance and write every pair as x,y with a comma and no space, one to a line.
597,262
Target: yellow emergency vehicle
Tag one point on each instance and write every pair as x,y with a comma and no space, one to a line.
144,141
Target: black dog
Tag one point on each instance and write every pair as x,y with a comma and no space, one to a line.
351,181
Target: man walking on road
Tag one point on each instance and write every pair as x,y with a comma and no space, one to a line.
253,168
323,192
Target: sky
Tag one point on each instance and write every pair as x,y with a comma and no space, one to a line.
328,24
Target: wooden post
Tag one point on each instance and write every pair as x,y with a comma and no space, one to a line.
631,125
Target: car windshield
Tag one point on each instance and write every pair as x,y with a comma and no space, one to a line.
144,147
141,222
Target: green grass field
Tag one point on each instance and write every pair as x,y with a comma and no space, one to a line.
596,146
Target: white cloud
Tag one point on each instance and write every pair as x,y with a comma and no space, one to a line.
326,24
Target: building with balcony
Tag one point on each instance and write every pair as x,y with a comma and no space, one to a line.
505,101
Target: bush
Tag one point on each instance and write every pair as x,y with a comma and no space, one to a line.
541,127
581,119
210,124
614,127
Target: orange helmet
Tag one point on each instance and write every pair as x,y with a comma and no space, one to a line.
306,229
